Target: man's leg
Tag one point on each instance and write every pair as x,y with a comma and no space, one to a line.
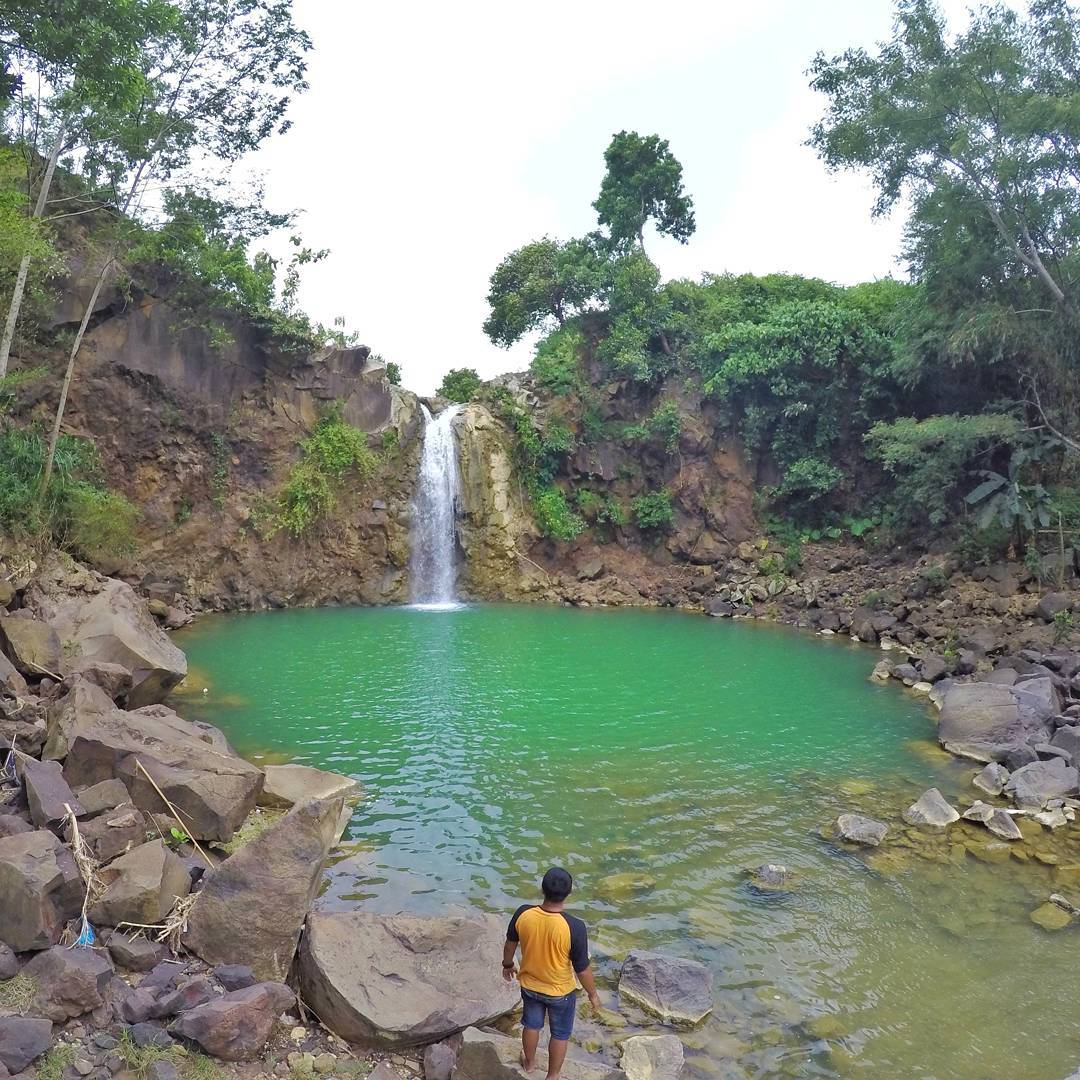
532,1022
556,1057
561,1022
530,1039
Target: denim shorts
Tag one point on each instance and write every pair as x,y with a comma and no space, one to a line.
560,1012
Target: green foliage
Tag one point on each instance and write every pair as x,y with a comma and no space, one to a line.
664,425
653,510
935,578
335,447
980,547
553,513
929,458
642,183
57,1059
601,508
806,484
393,373
1063,625
557,363
460,384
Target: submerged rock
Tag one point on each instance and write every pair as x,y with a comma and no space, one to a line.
403,980
931,808
770,877
670,987
857,829
652,1057
1051,917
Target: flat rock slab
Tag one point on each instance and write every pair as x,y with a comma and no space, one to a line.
403,980
676,990
991,713
141,887
253,906
487,1055
23,1039
68,982
931,808
287,785
40,889
857,829
652,1057
236,1026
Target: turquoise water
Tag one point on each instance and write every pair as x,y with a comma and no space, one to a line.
658,756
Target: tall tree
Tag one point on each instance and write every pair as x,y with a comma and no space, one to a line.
643,183
217,89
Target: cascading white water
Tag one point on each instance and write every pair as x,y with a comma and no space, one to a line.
433,533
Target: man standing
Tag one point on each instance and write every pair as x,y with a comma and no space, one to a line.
554,948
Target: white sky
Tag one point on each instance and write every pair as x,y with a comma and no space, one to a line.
437,137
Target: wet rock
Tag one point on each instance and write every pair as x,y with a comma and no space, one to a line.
486,1055
1002,825
191,763
31,645
23,1039
135,953
978,811
47,793
992,779
1050,917
236,1026
1051,819
441,975
857,829
272,881
770,877
68,982
652,1057
286,785
40,889
98,798
622,887
141,887
234,976
931,808
718,608
676,990
1032,785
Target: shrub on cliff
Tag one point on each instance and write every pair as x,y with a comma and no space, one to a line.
653,510
460,384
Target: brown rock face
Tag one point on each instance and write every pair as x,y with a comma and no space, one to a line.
252,907
403,980
68,982
40,889
31,645
141,887
236,1026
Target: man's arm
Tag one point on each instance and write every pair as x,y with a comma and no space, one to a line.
509,949
588,984
581,961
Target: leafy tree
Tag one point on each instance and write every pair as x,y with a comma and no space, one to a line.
393,373
540,286
460,384
643,182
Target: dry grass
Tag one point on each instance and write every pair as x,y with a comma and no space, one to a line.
189,1064
16,994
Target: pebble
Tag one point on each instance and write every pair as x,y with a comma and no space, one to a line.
104,1041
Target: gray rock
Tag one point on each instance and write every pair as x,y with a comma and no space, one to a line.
141,887
113,679
234,976
286,785
992,779
193,993
440,1059
1001,824
770,877
23,1039
47,793
40,889
31,645
487,1055
114,832
236,1026
68,982
981,639
978,811
135,953
1051,604
988,713
857,829
676,990
652,1057
931,808
9,966
933,668
1032,785
162,1069
272,880
98,798
147,1033
1068,739
441,975
10,679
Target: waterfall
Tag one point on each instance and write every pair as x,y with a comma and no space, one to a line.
433,532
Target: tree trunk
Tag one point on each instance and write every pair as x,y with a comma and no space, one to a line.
54,438
24,265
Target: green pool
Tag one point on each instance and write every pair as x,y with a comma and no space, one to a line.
658,756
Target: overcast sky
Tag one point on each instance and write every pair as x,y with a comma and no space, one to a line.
437,137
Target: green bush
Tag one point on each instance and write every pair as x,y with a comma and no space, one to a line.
807,483
336,447
664,426
555,365
553,514
460,384
393,373
98,521
600,509
653,510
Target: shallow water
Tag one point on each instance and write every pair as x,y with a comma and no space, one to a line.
658,756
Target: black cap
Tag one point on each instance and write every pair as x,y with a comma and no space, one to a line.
557,884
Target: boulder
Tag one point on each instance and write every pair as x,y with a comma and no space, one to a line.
113,679
933,668
1031,786
986,714
31,645
1068,739
652,1057
286,785
862,625
978,811
113,626
403,980
135,953
191,763
13,825
676,990
931,808
78,708
857,829
236,1026
141,887
992,779
1002,825
23,1039
47,793
440,1059
98,798
1051,604
113,833
9,965
40,889
253,906
10,679
982,639
487,1055
68,982
770,877
193,993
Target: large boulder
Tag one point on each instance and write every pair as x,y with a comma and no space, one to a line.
1051,604
676,990
237,1025
487,1055
652,1057
47,793
992,779
68,982
31,645
114,626
252,907
286,785
23,1039
1032,786
981,718
403,980
83,704
40,889
141,887
191,763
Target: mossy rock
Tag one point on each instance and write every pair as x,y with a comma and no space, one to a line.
1051,917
